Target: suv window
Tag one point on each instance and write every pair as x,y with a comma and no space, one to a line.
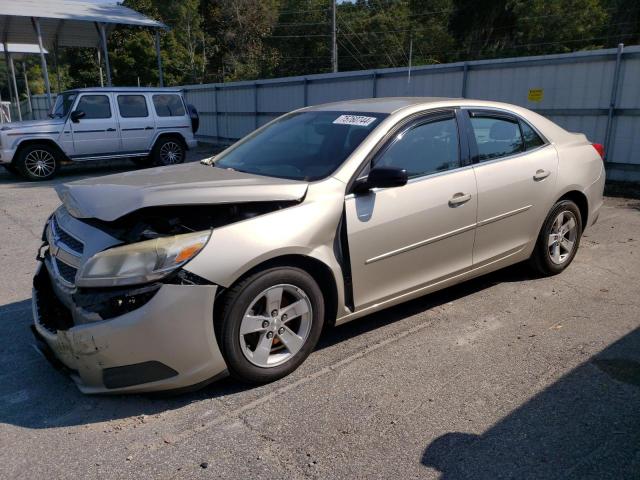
425,148
167,105
132,106
531,138
95,106
496,137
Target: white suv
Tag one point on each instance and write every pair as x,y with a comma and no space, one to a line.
149,125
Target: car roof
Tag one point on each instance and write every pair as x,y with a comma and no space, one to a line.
393,104
125,89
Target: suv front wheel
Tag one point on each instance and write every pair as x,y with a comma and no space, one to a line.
168,151
38,162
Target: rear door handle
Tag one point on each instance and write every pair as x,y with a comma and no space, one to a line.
148,128
541,174
111,129
459,199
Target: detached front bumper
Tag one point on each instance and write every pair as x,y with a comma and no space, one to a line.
167,343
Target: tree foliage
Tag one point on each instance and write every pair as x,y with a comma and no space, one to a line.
225,40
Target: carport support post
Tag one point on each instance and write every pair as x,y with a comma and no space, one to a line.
26,85
6,61
15,84
103,41
45,73
612,101
160,76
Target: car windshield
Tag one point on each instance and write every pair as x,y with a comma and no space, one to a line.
301,146
63,104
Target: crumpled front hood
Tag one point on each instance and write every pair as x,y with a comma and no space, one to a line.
35,125
112,196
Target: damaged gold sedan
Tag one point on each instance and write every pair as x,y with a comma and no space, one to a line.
171,277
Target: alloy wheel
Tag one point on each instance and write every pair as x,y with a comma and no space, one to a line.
170,153
276,325
40,163
562,238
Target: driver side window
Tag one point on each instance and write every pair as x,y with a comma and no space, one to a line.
424,148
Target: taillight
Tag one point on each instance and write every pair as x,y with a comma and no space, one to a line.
599,148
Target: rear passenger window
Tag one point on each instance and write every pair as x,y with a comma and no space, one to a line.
531,138
168,105
132,106
496,137
94,106
425,148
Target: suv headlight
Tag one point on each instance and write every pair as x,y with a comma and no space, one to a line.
141,262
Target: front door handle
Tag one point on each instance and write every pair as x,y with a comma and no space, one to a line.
541,175
111,129
459,199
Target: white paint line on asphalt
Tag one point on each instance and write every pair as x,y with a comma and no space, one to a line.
285,388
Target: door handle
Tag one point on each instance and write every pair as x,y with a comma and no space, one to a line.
148,128
459,199
111,129
541,175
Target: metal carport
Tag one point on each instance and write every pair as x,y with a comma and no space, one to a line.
18,51
60,23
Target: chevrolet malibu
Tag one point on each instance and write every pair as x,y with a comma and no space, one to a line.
169,278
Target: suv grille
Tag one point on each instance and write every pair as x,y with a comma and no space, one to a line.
71,242
67,272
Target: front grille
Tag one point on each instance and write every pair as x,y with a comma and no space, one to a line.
70,241
67,272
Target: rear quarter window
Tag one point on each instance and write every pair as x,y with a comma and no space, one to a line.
132,106
531,138
168,105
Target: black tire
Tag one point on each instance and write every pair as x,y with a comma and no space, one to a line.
26,163
541,259
236,302
165,148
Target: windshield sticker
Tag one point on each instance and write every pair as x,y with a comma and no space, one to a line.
359,120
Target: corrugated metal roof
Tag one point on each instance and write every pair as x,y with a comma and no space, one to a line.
18,48
70,22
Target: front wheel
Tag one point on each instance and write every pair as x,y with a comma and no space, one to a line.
168,151
270,323
38,162
558,240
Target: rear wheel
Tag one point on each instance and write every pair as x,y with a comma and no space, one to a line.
38,162
270,323
558,240
168,151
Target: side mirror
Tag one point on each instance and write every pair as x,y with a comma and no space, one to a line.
76,115
381,177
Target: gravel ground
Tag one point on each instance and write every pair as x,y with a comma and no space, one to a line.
506,376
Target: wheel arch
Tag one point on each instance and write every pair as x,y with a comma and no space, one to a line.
318,270
170,134
24,143
580,199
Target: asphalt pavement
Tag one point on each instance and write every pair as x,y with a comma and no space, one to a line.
505,376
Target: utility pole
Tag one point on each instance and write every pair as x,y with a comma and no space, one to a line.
410,59
334,39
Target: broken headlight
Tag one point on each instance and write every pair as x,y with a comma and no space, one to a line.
141,262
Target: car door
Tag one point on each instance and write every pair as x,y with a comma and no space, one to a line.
516,172
96,133
404,238
137,125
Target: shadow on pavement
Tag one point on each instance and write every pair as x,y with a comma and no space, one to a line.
585,425
35,395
